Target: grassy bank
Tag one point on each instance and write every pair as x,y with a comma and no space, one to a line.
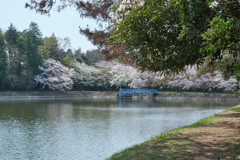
215,137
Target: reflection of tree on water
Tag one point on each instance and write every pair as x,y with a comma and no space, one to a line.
53,109
173,103
137,103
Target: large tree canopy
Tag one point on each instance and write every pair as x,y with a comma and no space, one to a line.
168,35
162,35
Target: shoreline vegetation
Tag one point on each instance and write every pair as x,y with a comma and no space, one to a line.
113,95
214,137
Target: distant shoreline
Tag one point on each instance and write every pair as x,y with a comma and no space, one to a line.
113,95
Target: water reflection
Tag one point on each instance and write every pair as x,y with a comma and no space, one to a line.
90,129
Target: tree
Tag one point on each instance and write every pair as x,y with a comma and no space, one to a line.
231,84
120,73
55,76
183,80
124,77
84,75
129,76
161,35
154,30
94,56
50,48
223,35
88,9
78,55
11,35
15,48
187,31
97,10
33,39
180,82
3,63
208,81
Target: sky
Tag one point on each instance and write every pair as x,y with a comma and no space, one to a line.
63,24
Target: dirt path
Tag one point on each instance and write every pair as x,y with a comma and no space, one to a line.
216,137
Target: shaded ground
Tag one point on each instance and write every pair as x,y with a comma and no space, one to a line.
216,137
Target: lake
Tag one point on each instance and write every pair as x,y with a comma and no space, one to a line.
93,129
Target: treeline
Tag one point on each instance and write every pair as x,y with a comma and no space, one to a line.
30,62
22,52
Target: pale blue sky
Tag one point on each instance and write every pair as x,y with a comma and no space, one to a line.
63,24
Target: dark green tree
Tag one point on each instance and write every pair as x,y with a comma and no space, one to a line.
51,49
11,36
169,35
33,40
17,58
3,63
77,55
94,56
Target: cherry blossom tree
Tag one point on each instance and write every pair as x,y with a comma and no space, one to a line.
182,81
229,85
55,76
120,73
145,79
129,76
208,81
85,75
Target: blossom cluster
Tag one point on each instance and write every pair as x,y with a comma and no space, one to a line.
55,76
129,76
214,4
123,7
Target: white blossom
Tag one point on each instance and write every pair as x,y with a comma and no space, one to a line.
228,85
183,80
55,76
208,80
214,4
85,75
129,76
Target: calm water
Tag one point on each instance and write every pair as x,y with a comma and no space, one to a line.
81,129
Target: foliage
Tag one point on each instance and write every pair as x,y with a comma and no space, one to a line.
50,48
55,76
161,35
24,51
33,39
207,81
3,63
84,75
15,47
168,35
94,56
153,31
223,34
